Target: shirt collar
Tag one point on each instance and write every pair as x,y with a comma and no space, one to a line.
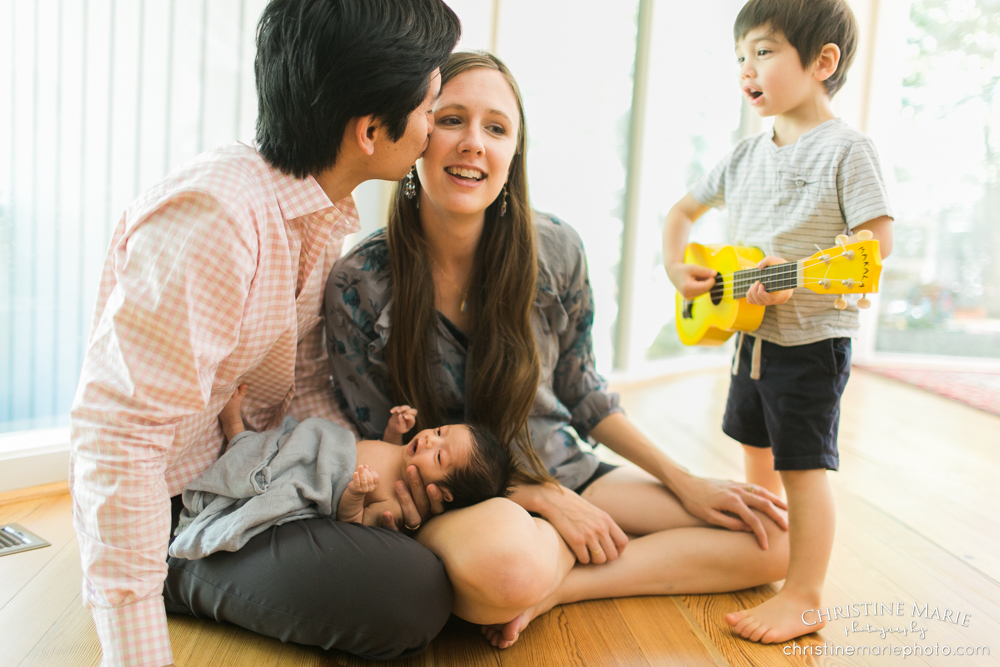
299,197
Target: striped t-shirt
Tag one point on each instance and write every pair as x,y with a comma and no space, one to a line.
787,200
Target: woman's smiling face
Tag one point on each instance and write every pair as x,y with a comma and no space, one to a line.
474,140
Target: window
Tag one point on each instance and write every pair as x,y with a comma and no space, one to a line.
938,128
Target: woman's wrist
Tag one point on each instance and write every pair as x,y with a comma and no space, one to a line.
532,497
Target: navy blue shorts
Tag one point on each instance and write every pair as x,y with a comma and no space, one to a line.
794,408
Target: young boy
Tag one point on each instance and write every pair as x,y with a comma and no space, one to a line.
300,471
787,192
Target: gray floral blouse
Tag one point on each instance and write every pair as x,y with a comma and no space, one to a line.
358,311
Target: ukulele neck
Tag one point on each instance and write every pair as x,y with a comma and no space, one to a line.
774,278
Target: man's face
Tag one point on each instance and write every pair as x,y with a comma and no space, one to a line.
399,156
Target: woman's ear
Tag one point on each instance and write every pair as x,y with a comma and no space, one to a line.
827,61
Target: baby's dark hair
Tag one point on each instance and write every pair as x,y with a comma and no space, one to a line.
807,25
488,474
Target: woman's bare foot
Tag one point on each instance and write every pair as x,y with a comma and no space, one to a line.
777,620
503,635
230,417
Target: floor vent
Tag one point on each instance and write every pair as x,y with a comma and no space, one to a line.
14,538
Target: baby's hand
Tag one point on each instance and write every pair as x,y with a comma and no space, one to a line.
364,481
401,419
232,422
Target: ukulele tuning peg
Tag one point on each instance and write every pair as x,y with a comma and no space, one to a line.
864,303
864,235
841,240
840,303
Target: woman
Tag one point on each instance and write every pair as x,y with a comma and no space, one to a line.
470,306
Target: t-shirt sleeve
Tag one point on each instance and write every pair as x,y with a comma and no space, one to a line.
710,189
860,185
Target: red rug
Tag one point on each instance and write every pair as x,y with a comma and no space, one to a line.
980,390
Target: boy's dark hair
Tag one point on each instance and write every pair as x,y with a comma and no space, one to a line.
488,474
321,63
807,25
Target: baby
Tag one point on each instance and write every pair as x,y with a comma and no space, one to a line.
317,469
467,463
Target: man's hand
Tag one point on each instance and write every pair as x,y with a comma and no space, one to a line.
759,296
691,279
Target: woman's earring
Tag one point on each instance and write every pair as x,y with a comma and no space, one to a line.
410,188
503,206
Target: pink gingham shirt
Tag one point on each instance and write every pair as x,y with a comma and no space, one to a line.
214,278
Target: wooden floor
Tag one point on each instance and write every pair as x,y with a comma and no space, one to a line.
918,504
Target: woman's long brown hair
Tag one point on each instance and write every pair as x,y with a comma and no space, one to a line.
503,356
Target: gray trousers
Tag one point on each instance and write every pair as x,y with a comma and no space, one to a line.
368,591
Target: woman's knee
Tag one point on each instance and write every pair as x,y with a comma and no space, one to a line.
774,561
496,555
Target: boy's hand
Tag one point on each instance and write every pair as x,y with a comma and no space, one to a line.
401,419
364,481
759,296
691,279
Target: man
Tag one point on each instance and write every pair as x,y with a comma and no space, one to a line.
214,278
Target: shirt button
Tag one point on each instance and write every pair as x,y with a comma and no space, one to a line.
799,183
328,217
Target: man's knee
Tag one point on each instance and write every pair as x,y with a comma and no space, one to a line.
366,591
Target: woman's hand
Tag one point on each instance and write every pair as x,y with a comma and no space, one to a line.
588,530
417,503
727,504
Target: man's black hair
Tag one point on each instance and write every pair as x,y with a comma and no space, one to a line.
488,474
808,25
321,63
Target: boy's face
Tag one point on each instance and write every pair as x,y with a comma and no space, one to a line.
437,451
771,74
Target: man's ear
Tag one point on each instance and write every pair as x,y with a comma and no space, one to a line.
827,61
365,133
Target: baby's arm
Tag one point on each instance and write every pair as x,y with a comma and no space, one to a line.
401,419
230,418
689,279
352,503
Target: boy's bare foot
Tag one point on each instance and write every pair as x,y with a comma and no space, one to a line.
230,417
777,620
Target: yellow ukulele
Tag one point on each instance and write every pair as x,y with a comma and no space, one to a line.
712,317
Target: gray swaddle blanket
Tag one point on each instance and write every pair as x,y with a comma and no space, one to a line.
296,471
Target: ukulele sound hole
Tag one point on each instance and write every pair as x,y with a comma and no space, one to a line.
717,290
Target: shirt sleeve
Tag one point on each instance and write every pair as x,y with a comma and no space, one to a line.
314,391
356,331
710,189
576,382
860,185
170,306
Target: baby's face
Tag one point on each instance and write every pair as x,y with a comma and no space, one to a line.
437,451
